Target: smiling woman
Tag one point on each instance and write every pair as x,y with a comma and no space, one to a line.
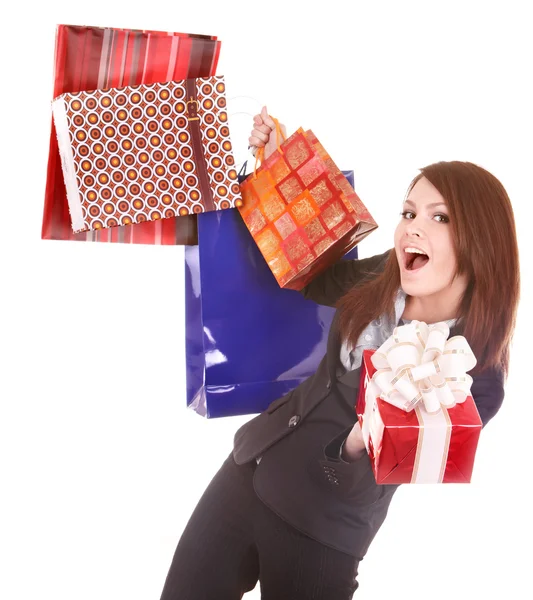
414,263
460,217
426,255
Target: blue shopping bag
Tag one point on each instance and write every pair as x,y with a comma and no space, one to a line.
248,341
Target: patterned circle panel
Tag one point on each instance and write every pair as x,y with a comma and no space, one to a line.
134,156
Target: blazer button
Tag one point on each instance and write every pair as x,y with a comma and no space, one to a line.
294,420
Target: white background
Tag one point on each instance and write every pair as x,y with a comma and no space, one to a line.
101,462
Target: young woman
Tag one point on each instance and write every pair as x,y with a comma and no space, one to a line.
295,505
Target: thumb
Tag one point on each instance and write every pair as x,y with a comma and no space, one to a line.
264,113
267,119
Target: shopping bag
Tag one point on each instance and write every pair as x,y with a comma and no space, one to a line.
146,152
301,210
88,58
248,341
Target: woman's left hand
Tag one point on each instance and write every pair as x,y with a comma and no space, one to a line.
263,133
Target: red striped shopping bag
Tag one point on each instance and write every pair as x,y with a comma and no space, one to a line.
88,58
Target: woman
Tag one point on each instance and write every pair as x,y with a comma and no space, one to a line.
295,505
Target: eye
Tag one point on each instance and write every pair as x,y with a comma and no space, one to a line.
441,218
405,214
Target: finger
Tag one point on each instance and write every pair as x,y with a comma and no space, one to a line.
259,134
263,129
254,141
269,121
258,120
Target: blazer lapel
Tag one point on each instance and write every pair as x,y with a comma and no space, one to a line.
333,348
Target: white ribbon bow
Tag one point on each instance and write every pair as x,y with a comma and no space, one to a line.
419,363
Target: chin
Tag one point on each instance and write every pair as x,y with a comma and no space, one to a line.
414,289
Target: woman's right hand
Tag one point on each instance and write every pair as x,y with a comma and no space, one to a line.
264,132
354,446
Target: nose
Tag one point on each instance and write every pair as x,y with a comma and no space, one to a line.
413,227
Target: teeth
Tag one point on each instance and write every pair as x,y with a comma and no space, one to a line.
414,251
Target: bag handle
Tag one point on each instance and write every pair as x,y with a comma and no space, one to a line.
238,107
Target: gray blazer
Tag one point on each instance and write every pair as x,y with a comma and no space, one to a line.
346,490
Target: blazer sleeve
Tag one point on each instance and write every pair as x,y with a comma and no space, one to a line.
328,287
488,393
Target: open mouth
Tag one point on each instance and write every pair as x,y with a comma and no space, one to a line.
414,261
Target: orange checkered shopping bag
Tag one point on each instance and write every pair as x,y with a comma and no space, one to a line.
301,210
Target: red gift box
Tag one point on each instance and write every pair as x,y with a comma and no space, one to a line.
416,447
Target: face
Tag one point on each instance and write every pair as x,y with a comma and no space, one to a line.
424,246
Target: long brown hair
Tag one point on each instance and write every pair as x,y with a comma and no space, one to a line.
484,237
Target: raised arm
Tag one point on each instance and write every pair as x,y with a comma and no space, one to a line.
328,287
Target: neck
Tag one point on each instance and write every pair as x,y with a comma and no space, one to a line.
430,309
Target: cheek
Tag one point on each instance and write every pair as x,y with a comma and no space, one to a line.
444,251
398,233
397,239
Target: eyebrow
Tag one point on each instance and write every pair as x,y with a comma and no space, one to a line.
432,205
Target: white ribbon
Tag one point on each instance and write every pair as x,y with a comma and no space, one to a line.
419,363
